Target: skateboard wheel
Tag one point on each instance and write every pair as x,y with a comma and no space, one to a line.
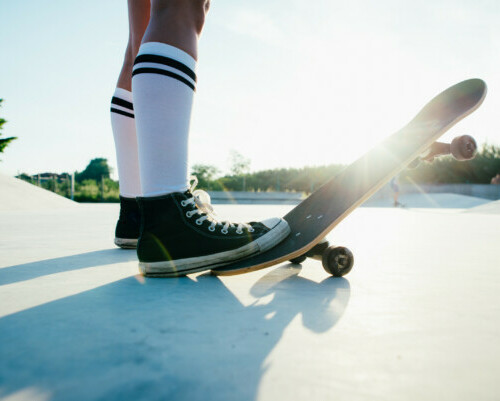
338,260
298,260
463,147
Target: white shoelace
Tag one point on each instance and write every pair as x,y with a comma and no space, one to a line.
201,200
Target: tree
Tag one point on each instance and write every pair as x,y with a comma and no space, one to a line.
205,174
4,141
96,170
239,165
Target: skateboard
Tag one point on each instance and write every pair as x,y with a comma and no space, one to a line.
312,219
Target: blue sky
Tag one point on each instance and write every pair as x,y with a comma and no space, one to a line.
285,83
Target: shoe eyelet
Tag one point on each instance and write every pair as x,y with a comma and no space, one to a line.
211,228
224,231
189,214
239,232
183,203
199,222
251,230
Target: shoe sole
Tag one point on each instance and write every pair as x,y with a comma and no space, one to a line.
126,243
181,267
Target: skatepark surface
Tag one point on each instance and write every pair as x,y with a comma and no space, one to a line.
418,317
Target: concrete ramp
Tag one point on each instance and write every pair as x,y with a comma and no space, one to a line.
416,319
16,194
487,208
431,200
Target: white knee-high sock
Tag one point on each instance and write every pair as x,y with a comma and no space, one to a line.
163,84
123,126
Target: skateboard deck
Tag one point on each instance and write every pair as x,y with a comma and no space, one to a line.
317,215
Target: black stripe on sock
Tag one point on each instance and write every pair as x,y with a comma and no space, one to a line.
121,102
163,72
152,58
123,113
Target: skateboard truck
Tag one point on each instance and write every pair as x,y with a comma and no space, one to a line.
461,148
336,260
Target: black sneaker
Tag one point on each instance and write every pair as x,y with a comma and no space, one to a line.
128,225
181,234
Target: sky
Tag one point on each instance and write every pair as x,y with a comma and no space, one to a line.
284,83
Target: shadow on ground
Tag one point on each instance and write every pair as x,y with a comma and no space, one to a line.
159,339
28,271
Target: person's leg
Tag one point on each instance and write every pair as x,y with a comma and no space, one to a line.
138,20
124,132
164,81
178,23
179,233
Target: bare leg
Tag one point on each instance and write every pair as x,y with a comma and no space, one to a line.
177,23
138,19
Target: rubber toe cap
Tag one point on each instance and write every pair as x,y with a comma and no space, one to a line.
272,222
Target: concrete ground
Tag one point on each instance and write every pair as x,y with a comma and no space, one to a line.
418,318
